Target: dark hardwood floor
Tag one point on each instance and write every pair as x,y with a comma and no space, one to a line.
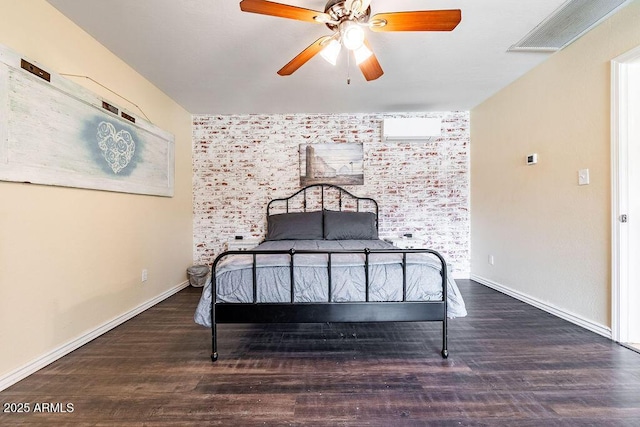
510,364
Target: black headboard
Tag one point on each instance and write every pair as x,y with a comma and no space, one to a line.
323,196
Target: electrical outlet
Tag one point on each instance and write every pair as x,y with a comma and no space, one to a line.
145,275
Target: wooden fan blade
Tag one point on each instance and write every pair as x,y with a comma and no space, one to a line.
370,67
304,56
426,20
283,11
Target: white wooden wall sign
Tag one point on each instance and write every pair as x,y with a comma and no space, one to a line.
55,132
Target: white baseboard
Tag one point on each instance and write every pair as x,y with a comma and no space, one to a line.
599,329
24,371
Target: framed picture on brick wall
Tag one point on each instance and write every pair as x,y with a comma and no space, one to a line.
340,164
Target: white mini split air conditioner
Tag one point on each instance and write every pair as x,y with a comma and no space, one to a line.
411,129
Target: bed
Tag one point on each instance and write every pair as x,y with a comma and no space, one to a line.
324,240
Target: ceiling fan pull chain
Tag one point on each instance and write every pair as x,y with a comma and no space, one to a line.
348,68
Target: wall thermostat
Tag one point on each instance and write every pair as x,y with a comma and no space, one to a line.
532,159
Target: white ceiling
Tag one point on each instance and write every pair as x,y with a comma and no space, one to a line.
212,58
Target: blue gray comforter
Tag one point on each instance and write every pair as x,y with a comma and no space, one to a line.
234,277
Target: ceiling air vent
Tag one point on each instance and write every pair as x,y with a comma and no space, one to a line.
567,24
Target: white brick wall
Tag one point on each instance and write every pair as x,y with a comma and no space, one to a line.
241,162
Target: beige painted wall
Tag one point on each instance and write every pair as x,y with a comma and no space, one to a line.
71,259
550,238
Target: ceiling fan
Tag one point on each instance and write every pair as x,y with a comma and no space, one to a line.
347,18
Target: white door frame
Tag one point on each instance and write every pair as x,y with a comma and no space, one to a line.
621,110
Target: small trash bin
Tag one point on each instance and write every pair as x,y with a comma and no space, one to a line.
198,275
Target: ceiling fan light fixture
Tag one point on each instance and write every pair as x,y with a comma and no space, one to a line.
351,34
362,54
346,19
331,51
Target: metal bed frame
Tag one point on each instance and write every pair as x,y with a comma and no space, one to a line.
332,312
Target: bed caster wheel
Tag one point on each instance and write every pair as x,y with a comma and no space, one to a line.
214,357
445,354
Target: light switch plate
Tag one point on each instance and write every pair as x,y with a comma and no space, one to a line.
583,177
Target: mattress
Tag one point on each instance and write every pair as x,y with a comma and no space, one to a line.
234,277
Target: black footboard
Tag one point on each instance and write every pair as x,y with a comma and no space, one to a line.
329,311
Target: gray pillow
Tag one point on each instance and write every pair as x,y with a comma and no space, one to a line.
295,226
350,225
